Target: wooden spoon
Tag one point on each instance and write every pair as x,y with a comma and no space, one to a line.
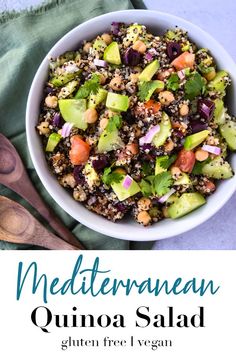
13,175
17,225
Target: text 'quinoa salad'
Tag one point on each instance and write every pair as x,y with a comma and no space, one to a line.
136,124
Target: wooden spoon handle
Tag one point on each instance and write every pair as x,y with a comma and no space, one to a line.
17,225
32,196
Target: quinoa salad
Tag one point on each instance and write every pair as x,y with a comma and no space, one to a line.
135,124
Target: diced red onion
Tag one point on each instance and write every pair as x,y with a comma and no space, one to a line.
206,108
212,149
165,197
127,182
147,139
152,51
99,62
66,129
148,56
181,74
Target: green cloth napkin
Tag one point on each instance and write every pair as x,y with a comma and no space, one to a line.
26,37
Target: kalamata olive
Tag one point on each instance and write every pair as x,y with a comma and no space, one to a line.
206,108
128,117
132,57
173,50
197,126
77,173
100,163
57,120
121,207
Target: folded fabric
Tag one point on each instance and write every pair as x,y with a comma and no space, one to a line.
26,37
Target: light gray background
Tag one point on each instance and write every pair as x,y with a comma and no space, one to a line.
218,18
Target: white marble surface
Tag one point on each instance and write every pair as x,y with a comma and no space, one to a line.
218,18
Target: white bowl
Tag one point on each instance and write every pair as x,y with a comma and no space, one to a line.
156,22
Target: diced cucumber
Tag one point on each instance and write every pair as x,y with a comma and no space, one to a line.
117,102
133,33
219,84
185,204
228,131
219,112
99,45
95,99
122,193
184,179
61,80
53,140
165,130
218,169
72,110
109,141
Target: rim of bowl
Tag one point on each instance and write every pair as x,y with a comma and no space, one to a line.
142,234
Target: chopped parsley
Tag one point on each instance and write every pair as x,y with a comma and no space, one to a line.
173,82
147,88
114,123
110,177
156,185
195,86
92,85
166,161
146,168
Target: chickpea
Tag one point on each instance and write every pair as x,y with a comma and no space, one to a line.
165,212
102,79
137,132
106,38
43,128
134,77
144,203
103,123
144,218
175,172
116,83
120,171
166,97
164,74
51,101
211,75
68,180
201,155
133,148
91,115
169,146
184,110
79,195
87,47
140,47
137,69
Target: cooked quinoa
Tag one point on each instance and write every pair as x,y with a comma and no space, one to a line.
135,124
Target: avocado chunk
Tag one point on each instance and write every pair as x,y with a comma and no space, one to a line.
184,179
122,193
53,140
109,141
112,54
165,130
219,83
149,71
72,110
133,33
117,102
195,139
218,169
96,99
228,131
219,112
185,204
